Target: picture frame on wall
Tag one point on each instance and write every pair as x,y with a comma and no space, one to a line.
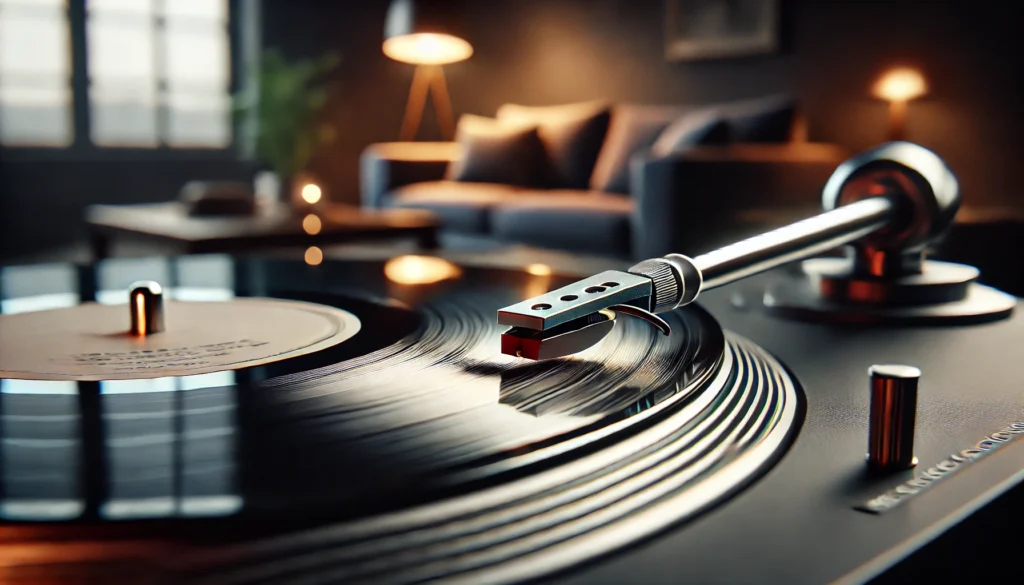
720,29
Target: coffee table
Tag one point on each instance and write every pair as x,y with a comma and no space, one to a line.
273,226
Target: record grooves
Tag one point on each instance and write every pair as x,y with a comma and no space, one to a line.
413,450
705,451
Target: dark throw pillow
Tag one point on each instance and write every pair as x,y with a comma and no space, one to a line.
572,135
496,153
768,119
698,128
632,129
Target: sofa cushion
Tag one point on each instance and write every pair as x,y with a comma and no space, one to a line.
704,127
632,129
461,206
566,219
767,119
493,152
572,135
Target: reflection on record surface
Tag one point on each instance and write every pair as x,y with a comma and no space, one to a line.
419,394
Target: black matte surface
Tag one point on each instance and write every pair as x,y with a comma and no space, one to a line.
797,525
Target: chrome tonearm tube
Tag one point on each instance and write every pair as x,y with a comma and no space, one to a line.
891,201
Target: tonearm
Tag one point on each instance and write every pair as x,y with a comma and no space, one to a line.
891,202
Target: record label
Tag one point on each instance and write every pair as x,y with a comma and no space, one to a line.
91,341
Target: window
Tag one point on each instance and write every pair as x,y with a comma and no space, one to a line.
35,73
153,73
158,72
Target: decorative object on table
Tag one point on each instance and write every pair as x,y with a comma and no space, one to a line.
287,106
715,29
898,86
266,188
421,33
205,198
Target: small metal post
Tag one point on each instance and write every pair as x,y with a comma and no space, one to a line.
146,305
893,417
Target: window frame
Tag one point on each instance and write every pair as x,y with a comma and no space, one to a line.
82,148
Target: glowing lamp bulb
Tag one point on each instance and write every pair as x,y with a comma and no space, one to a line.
901,85
429,46
427,49
539,269
311,193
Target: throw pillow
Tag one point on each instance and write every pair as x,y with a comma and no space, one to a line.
496,153
698,128
632,129
572,135
768,119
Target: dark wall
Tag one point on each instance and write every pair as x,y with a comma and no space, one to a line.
43,197
552,51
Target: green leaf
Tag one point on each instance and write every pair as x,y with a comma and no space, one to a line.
286,106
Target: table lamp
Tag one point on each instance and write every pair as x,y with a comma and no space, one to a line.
899,86
420,33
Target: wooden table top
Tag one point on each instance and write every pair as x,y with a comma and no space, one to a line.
171,221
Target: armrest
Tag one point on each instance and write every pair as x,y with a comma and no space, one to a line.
689,202
387,166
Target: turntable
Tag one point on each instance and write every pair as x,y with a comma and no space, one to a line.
721,418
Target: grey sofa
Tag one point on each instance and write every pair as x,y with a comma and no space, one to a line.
687,201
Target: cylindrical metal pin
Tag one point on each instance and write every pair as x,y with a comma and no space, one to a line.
146,305
893,417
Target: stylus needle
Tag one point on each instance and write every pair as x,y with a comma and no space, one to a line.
573,336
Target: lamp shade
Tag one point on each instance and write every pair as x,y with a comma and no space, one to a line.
901,85
424,33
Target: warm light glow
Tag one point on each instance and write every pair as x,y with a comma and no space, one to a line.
140,314
427,49
419,269
311,193
539,269
901,85
314,256
311,224
536,286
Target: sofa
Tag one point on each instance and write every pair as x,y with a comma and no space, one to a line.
624,180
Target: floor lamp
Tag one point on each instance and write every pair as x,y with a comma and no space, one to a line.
416,32
899,86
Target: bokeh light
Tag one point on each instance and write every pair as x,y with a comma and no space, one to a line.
311,193
314,256
311,224
412,269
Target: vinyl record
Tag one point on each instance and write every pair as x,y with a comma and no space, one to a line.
408,451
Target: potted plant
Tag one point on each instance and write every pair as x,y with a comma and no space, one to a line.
280,115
